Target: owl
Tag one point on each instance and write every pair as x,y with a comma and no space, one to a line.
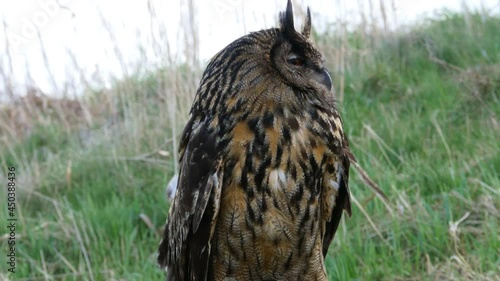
264,164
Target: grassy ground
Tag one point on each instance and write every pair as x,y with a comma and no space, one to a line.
421,109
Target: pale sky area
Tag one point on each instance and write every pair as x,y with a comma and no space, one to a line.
103,39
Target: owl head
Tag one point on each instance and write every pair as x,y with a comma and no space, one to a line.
295,57
279,66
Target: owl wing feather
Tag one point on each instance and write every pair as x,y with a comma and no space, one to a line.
185,248
342,198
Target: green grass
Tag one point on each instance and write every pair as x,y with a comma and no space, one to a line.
421,110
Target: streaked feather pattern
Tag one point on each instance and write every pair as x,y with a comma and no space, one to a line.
264,165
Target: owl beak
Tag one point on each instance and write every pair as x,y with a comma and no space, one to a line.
324,78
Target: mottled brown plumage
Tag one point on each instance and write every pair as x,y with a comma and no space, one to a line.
264,165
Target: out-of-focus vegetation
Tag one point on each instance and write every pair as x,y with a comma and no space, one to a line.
420,107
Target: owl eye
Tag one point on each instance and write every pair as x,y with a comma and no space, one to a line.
295,60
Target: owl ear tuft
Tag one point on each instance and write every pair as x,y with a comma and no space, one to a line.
306,30
286,20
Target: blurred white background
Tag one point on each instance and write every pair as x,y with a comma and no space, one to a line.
56,43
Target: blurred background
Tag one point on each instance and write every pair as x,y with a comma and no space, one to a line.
93,96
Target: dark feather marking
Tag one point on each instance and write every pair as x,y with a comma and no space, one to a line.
279,153
244,182
305,217
286,134
250,212
252,124
268,119
293,123
261,172
297,197
278,111
235,69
